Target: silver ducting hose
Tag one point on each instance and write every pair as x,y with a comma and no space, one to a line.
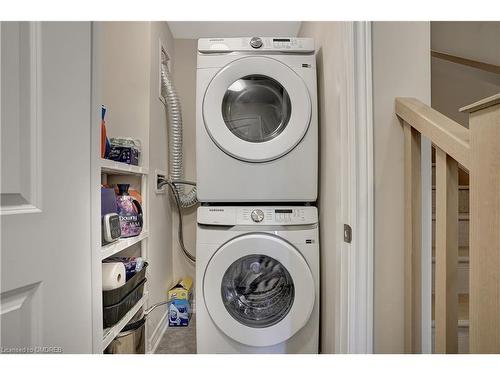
180,235
176,169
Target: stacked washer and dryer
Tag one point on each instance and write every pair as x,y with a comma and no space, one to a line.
257,267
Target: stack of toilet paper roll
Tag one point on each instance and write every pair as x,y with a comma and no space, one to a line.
113,275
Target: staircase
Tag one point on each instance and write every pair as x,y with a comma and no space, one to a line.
466,277
463,258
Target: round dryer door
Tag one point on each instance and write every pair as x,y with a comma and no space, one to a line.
256,109
258,289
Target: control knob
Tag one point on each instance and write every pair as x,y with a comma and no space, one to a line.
256,42
257,215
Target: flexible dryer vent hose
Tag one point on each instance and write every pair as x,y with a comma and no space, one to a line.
176,169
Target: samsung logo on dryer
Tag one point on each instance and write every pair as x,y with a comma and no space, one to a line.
216,210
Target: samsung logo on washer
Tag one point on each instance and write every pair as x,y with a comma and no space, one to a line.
216,210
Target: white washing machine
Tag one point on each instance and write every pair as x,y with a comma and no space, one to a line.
257,280
256,120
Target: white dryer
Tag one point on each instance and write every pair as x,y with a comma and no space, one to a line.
256,120
257,280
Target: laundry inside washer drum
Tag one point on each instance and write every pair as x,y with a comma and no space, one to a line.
256,108
257,291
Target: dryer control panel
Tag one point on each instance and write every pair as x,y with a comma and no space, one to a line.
255,44
258,215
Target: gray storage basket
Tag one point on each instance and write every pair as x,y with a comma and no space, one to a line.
112,314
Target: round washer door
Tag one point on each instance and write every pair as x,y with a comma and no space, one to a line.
256,109
258,289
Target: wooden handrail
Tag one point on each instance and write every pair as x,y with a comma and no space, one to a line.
491,68
481,104
448,135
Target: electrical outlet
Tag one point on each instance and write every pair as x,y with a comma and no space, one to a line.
159,174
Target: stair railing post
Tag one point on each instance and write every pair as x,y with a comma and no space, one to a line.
446,301
412,240
484,281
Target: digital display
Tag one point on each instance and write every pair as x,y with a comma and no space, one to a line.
283,211
281,40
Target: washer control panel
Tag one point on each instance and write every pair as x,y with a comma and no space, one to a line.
248,215
276,215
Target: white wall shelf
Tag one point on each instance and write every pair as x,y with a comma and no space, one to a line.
113,167
104,171
110,333
121,244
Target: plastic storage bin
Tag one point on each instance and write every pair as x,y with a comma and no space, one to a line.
125,150
113,313
112,297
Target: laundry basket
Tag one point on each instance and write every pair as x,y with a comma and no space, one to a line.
130,341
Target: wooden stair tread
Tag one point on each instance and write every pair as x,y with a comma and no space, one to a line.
462,216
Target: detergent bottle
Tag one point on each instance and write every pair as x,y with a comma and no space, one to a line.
129,211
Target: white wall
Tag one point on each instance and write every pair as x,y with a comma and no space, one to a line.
401,67
455,85
130,90
472,40
233,29
125,89
330,46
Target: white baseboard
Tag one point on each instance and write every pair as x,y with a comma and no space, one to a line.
158,333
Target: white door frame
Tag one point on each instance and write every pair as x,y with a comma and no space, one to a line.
354,318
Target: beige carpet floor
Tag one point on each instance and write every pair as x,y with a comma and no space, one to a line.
179,340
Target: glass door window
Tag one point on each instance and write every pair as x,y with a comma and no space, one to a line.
257,291
256,108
